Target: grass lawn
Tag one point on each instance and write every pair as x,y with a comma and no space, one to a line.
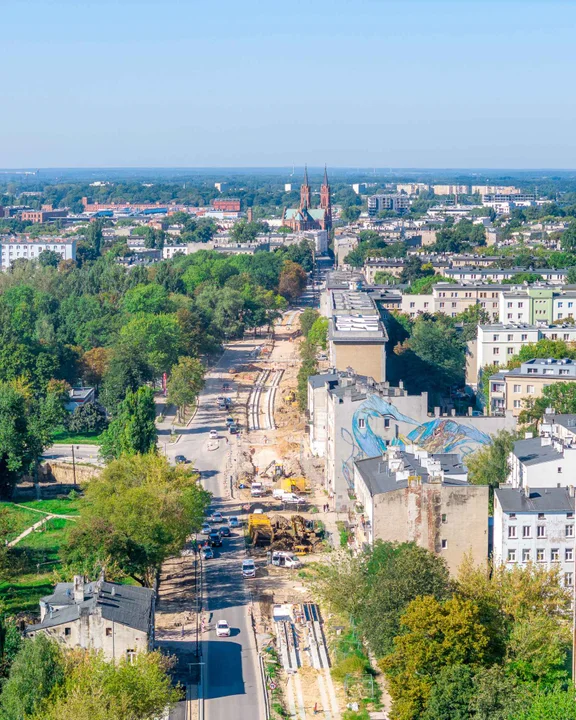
19,518
62,506
39,554
63,437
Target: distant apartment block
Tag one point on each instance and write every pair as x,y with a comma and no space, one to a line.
412,188
221,186
451,189
379,203
15,248
42,216
226,205
509,388
495,190
537,304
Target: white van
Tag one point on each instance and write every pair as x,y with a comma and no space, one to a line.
248,568
256,489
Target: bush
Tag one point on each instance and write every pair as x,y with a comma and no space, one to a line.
351,665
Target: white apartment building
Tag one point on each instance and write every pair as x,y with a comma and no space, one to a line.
535,525
414,305
536,304
380,202
495,190
469,273
542,462
14,248
451,189
412,188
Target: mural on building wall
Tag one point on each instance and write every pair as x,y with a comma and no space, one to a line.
438,435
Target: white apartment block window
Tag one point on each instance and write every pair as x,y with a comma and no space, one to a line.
520,304
559,469
361,423
540,556
517,403
509,305
569,554
555,555
512,516
526,531
510,338
512,531
569,530
511,555
510,351
560,316
517,388
524,337
444,544
530,389
495,338
496,351
541,531
412,304
525,555
568,579
560,304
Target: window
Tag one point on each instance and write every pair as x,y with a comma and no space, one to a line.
361,423
517,403
496,351
444,544
131,656
443,517
509,305
560,304
520,304
512,531
510,351
441,304
524,337
526,531
540,555
495,337
453,305
517,388
560,316
512,516
511,555
569,554
566,336
525,555
510,338
509,316
569,530
412,304
541,531
386,422
569,516
555,555
108,632
67,631
530,389
568,579
559,469
541,516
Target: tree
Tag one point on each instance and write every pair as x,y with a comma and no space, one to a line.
307,320
245,232
89,417
350,214
127,369
94,364
37,669
10,642
571,276
489,465
385,278
94,236
451,694
100,690
561,397
308,367
292,280
134,429
318,334
138,512
414,270
49,258
186,381
568,238
435,635
558,704
147,298
156,338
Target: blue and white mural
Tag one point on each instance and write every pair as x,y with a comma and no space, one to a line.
438,435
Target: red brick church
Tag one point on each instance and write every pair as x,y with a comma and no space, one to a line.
305,217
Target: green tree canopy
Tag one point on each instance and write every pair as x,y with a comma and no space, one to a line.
186,381
133,430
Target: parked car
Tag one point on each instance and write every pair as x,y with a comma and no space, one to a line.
233,429
207,553
215,538
248,568
224,531
230,421
234,522
206,529
225,386
216,517
213,434
180,459
222,629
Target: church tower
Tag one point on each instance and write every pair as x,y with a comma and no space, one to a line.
325,200
305,193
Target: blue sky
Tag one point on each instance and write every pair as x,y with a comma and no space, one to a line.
353,83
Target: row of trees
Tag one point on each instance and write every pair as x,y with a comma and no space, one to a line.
491,645
314,328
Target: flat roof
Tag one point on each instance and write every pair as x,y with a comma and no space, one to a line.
532,452
539,500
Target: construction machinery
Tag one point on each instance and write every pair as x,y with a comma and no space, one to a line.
259,529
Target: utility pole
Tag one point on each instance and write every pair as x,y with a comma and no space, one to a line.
74,467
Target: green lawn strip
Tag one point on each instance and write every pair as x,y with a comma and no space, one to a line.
60,506
63,437
20,519
23,593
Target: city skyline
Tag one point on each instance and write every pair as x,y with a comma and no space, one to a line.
385,84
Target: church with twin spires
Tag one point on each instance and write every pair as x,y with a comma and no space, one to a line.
306,217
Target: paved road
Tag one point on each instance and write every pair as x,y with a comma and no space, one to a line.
231,677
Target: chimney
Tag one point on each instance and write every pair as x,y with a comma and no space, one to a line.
113,591
78,588
571,490
401,384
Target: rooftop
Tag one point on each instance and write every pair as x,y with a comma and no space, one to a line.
357,328
539,500
533,452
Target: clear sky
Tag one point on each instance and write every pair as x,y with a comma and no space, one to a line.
356,83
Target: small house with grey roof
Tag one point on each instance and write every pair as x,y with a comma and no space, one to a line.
99,615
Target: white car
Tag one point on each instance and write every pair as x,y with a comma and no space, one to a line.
222,629
213,434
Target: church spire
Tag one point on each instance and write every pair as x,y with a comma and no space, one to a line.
305,193
325,181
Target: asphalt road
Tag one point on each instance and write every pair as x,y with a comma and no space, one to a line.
231,676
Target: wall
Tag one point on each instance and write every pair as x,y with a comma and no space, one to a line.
415,514
364,358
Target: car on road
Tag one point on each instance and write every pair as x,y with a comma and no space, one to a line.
216,517
230,421
224,531
233,429
207,553
213,434
248,568
206,529
234,522
215,539
225,386
222,629
181,459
